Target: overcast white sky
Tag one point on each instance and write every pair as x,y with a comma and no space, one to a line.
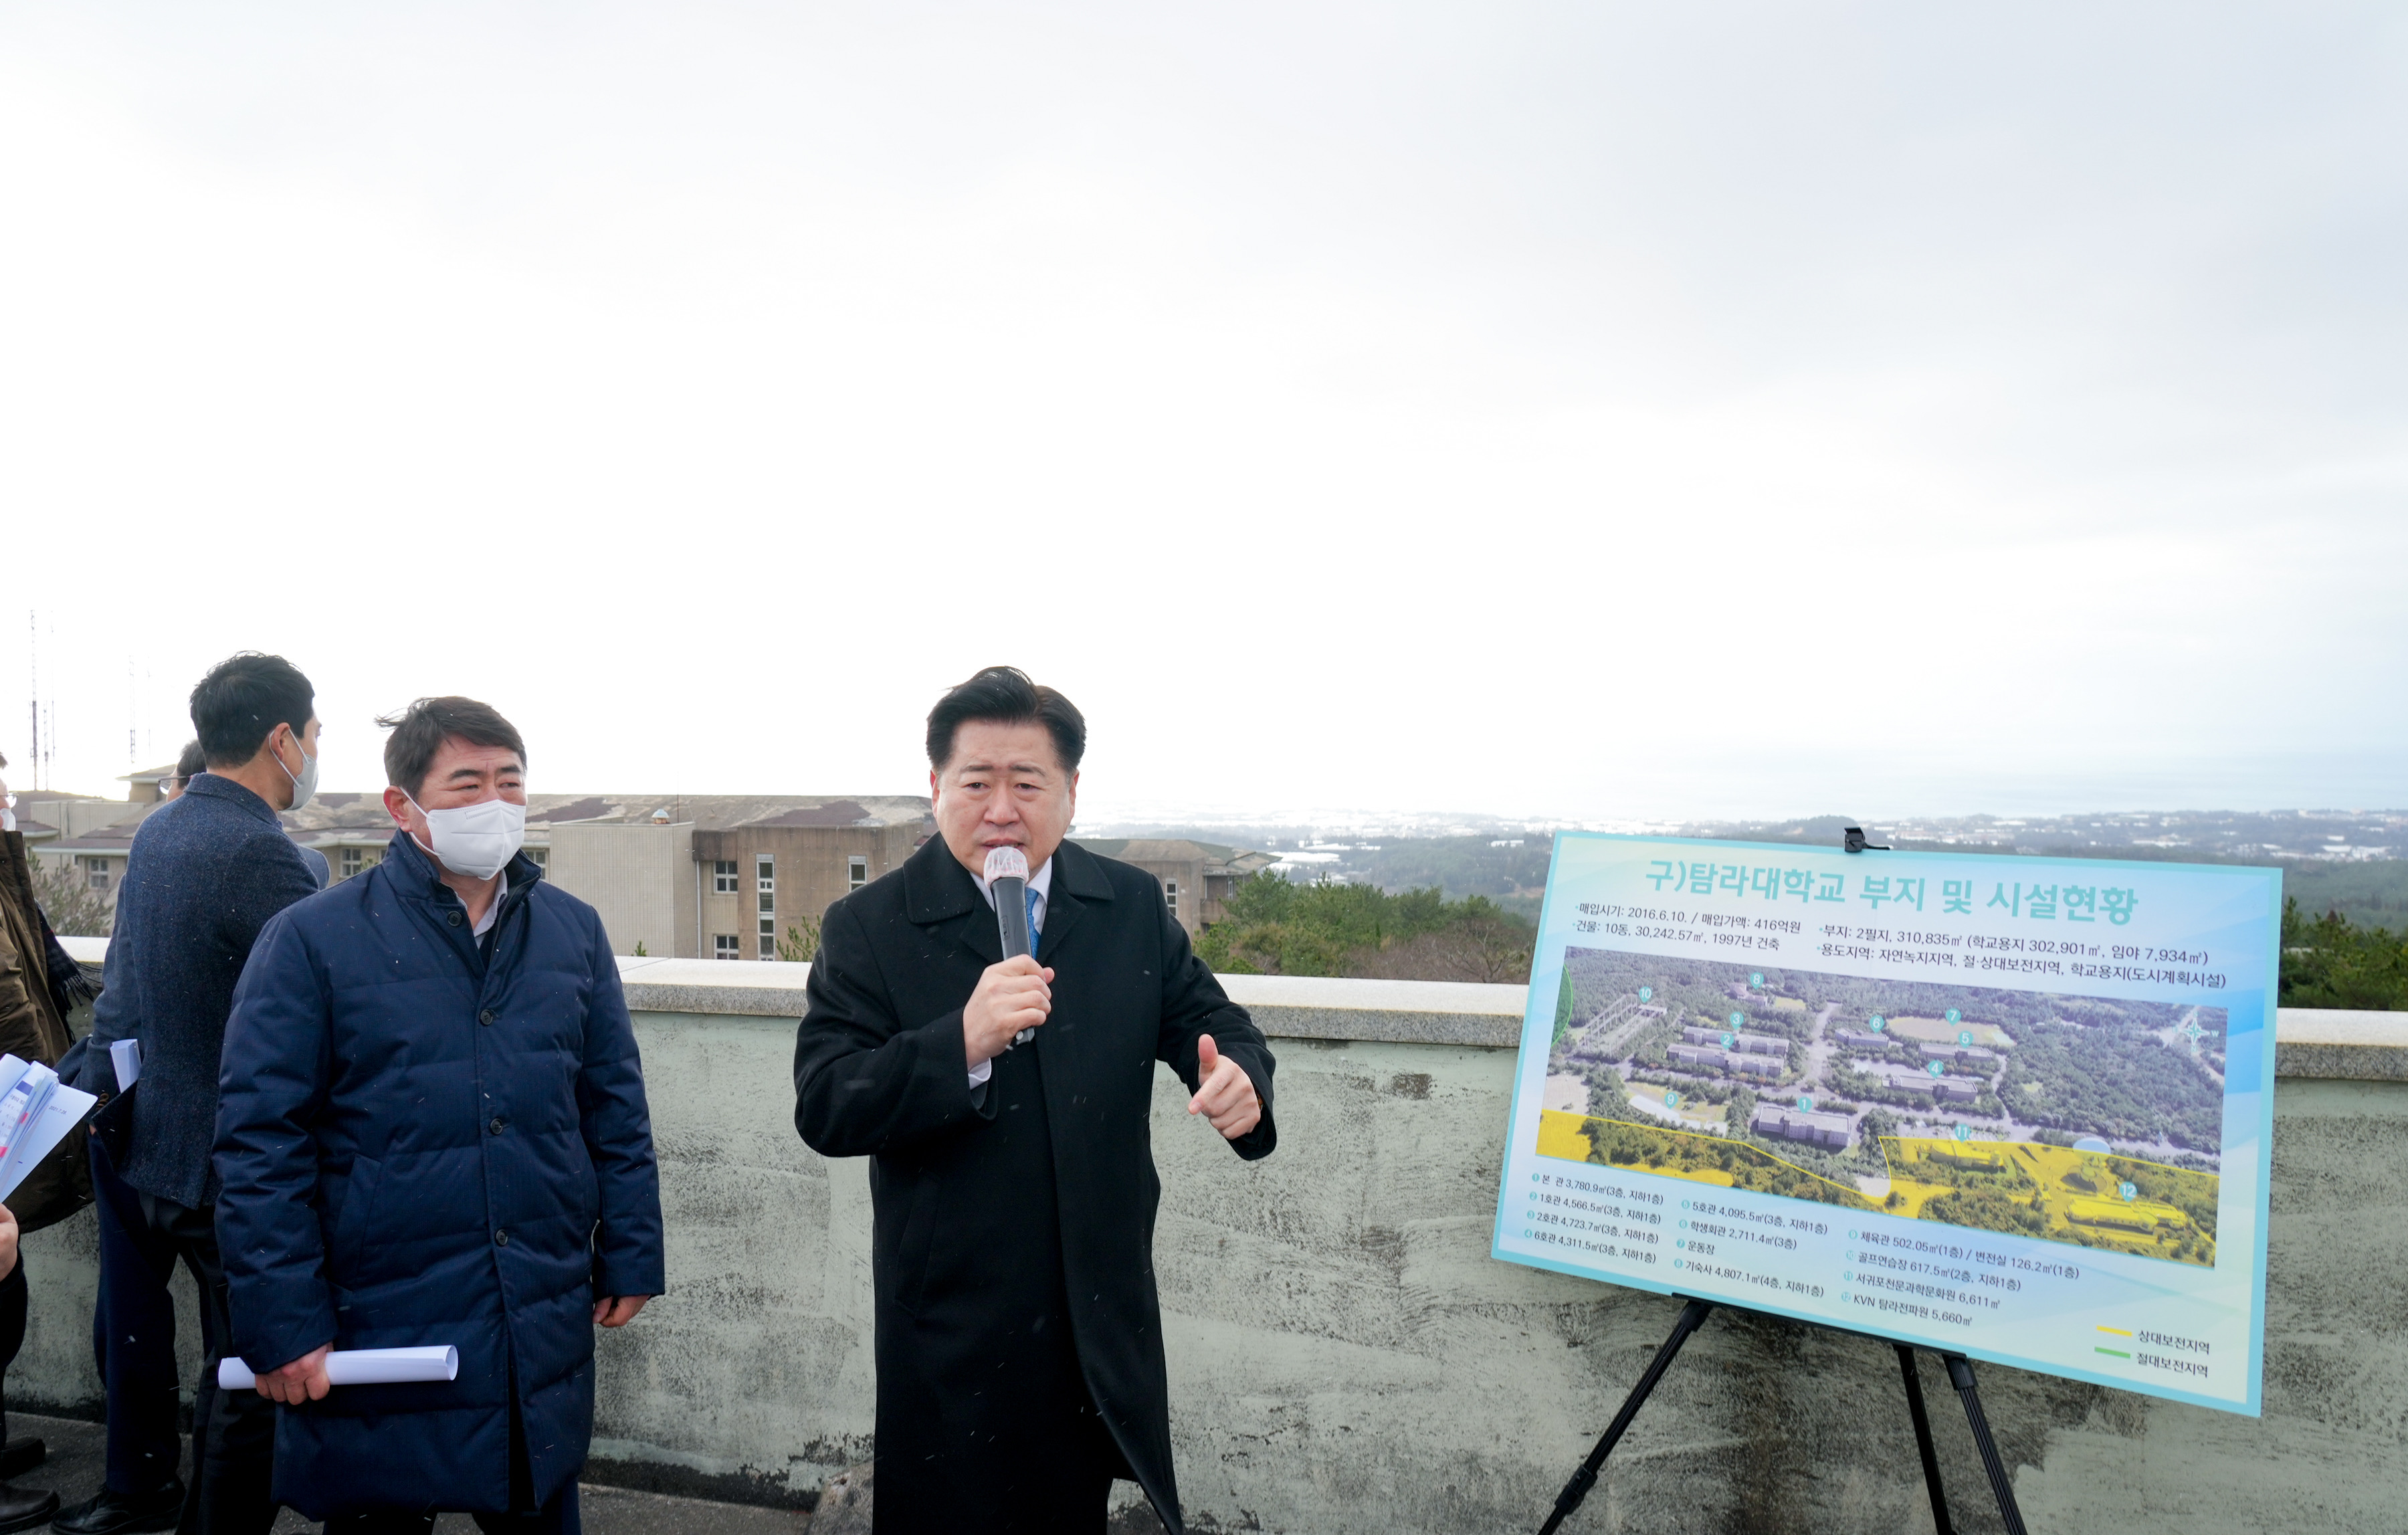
1587,411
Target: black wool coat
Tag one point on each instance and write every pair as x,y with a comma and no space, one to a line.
1012,1253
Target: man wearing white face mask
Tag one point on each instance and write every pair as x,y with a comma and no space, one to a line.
433,1132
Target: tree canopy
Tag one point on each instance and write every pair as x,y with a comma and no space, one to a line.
1274,926
2331,962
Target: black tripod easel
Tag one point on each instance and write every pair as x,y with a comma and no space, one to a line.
1960,1374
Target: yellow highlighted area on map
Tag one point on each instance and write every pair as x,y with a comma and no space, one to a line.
1562,1135
2084,1198
1681,1153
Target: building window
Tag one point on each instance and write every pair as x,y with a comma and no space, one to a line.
856,872
722,877
764,883
540,857
348,863
1171,893
725,946
95,872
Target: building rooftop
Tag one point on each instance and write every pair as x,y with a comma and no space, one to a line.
113,840
338,816
1216,858
333,813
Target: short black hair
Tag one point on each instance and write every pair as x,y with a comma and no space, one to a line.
242,700
419,731
191,762
1005,696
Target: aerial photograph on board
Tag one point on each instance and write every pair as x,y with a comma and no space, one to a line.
2091,1120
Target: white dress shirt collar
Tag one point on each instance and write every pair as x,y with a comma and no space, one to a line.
492,910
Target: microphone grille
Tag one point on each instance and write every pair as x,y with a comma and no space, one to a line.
1006,864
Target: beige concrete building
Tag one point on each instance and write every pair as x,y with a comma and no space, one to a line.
83,833
1196,877
725,876
767,880
692,876
722,876
639,877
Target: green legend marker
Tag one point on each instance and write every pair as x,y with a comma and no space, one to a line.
2115,1353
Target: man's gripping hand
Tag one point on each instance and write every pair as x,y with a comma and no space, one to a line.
1227,1097
1010,997
617,1311
303,1380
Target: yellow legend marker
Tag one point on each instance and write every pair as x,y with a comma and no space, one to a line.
2116,1353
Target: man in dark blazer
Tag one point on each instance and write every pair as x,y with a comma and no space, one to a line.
1019,1337
134,1320
205,874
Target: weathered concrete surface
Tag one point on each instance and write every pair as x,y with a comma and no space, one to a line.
1345,1357
78,1464
2329,1042
756,1365
1313,1007
713,986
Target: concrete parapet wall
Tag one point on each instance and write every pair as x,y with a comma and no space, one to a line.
1345,1356
2350,1046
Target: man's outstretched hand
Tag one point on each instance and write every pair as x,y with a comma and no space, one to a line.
303,1380
1226,1097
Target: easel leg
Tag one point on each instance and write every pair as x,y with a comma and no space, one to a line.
1960,1374
1923,1440
1692,1315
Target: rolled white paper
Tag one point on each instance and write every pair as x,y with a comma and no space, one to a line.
362,1367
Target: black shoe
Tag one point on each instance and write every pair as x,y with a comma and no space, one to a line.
21,1455
113,1511
23,1508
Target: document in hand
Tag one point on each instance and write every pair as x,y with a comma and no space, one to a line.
36,1111
362,1367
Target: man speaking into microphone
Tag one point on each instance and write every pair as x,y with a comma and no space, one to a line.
1005,1100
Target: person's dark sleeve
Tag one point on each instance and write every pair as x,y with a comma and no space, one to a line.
630,1254
21,982
69,987
865,1081
115,1015
1194,1005
272,877
272,1079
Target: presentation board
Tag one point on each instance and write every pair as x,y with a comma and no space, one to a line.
2016,1108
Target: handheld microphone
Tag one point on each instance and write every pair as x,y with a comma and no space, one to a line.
1007,878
